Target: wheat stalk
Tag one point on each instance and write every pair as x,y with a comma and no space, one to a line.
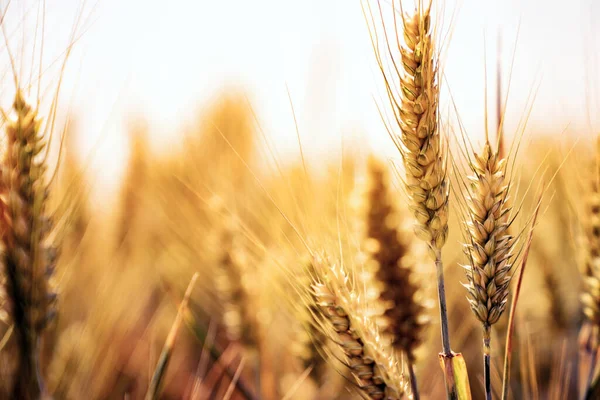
424,153
165,356
28,258
490,247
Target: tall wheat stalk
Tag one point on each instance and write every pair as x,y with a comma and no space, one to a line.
490,248
413,92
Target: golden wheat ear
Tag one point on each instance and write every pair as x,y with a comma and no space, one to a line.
309,340
376,369
490,248
413,92
28,258
590,297
424,153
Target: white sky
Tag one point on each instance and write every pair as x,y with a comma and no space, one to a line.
167,59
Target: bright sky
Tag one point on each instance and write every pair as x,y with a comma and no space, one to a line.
167,59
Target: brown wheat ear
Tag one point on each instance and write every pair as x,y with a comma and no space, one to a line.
392,250
392,255
28,258
490,247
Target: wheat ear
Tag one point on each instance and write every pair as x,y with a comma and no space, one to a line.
590,298
376,370
424,153
28,258
391,251
310,340
490,247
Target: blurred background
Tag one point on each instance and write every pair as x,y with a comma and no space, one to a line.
168,61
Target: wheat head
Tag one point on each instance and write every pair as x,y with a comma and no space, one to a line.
423,152
375,369
28,257
490,247
393,257
591,294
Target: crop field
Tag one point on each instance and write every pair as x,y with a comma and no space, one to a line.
418,217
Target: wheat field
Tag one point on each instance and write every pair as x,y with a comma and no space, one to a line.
464,266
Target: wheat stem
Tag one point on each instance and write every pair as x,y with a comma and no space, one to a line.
486,362
446,353
594,390
591,374
165,356
413,381
443,307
